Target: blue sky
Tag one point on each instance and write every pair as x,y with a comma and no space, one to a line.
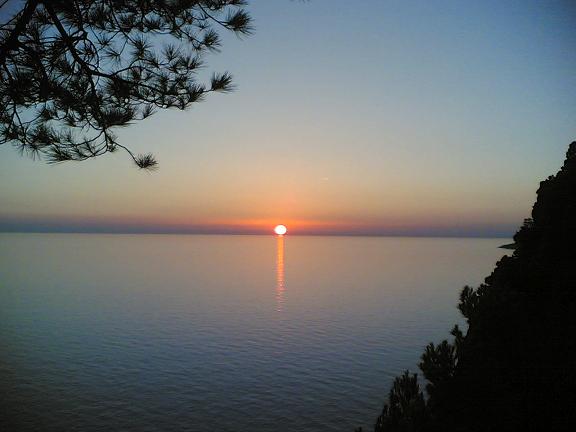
388,117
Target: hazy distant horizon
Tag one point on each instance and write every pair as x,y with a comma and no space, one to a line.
68,227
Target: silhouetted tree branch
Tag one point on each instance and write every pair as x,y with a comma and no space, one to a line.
71,71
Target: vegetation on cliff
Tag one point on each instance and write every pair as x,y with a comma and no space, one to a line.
515,368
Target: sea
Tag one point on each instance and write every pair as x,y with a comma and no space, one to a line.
137,333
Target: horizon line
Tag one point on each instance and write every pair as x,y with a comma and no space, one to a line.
272,234
94,226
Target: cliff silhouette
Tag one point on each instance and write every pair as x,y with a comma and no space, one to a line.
515,367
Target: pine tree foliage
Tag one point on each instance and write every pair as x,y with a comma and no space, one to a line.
72,71
405,409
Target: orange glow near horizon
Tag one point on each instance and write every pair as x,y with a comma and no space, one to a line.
184,224
280,230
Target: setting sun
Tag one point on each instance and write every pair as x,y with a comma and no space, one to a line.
280,229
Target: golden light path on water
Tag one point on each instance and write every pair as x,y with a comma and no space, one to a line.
280,287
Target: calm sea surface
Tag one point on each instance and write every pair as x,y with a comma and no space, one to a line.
219,333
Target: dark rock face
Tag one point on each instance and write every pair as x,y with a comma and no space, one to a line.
517,365
515,369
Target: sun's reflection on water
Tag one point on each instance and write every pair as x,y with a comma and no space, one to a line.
280,286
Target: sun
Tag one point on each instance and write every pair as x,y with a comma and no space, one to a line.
280,229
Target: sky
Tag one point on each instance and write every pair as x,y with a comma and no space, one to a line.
367,117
